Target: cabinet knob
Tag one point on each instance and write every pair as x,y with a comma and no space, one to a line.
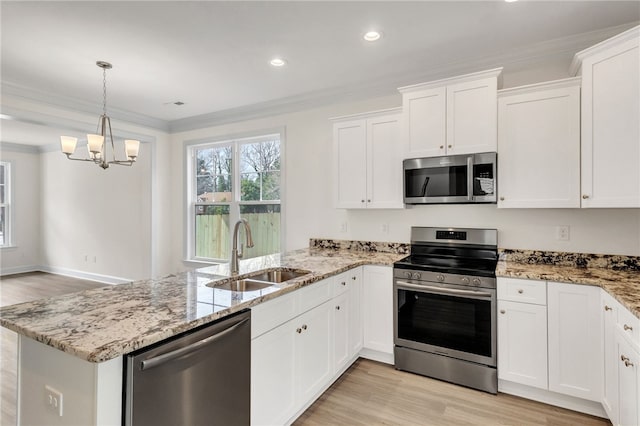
449,146
343,283
520,291
501,198
368,201
626,361
354,278
304,326
362,201
502,311
441,146
337,308
298,330
585,196
607,308
627,327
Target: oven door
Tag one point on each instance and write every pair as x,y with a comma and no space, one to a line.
443,319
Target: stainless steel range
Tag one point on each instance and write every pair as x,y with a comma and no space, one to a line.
445,306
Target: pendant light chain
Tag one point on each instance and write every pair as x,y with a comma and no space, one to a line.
104,91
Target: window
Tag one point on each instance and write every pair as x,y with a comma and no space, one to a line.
5,204
231,180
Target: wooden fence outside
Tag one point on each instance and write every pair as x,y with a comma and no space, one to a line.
213,235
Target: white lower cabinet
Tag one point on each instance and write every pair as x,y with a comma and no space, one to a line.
522,346
341,344
621,387
575,342
377,305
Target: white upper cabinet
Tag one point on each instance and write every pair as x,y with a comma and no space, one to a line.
367,161
611,121
539,145
451,116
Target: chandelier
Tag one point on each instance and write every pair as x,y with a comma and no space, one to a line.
96,143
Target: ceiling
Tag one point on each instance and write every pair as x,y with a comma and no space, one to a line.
214,56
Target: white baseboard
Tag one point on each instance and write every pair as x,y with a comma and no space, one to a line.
552,398
373,355
19,270
106,279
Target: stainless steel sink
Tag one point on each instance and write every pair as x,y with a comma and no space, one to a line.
244,285
279,276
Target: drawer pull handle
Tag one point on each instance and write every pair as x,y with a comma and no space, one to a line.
584,197
501,198
502,311
626,361
520,291
298,330
354,278
627,328
607,308
337,308
304,326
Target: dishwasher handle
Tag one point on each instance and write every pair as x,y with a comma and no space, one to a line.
161,359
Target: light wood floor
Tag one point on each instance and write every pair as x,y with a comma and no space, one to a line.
371,393
21,288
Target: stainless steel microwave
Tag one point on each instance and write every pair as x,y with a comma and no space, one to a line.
457,179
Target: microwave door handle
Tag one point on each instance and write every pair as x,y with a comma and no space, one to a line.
441,290
470,178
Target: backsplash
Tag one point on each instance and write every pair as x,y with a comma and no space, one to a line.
580,260
373,246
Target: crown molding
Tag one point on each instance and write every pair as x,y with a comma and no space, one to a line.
631,34
555,84
82,106
369,114
496,72
18,147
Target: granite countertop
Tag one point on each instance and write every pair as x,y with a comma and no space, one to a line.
623,285
104,323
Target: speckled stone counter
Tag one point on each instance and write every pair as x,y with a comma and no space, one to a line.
101,324
617,275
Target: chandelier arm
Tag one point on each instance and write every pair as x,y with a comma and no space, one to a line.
69,157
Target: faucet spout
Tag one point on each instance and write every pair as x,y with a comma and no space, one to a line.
235,253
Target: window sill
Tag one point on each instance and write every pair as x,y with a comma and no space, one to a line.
9,247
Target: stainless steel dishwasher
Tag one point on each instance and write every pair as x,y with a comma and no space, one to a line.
198,378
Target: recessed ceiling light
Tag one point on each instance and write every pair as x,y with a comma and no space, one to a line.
278,62
372,36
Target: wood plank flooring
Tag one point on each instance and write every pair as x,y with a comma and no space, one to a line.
371,393
21,288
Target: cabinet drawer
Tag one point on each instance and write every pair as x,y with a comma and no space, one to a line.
629,325
340,284
524,291
313,295
268,315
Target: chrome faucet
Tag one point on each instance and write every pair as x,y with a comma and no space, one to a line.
235,255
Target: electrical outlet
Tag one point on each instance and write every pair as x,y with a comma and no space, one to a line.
94,259
53,399
86,257
384,228
343,227
562,233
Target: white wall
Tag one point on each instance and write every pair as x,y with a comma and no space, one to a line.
24,254
309,201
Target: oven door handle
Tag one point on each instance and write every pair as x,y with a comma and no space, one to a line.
440,290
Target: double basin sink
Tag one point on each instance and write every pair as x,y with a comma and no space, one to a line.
260,280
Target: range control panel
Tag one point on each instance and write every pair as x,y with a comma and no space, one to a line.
451,235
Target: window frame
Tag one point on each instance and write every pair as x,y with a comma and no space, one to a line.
191,203
8,204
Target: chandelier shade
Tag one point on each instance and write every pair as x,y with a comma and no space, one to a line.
97,143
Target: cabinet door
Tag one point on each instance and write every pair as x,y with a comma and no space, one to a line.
377,304
472,117
608,308
522,343
628,383
539,148
424,122
350,160
341,346
575,342
355,311
314,347
384,170
611,127
273,396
